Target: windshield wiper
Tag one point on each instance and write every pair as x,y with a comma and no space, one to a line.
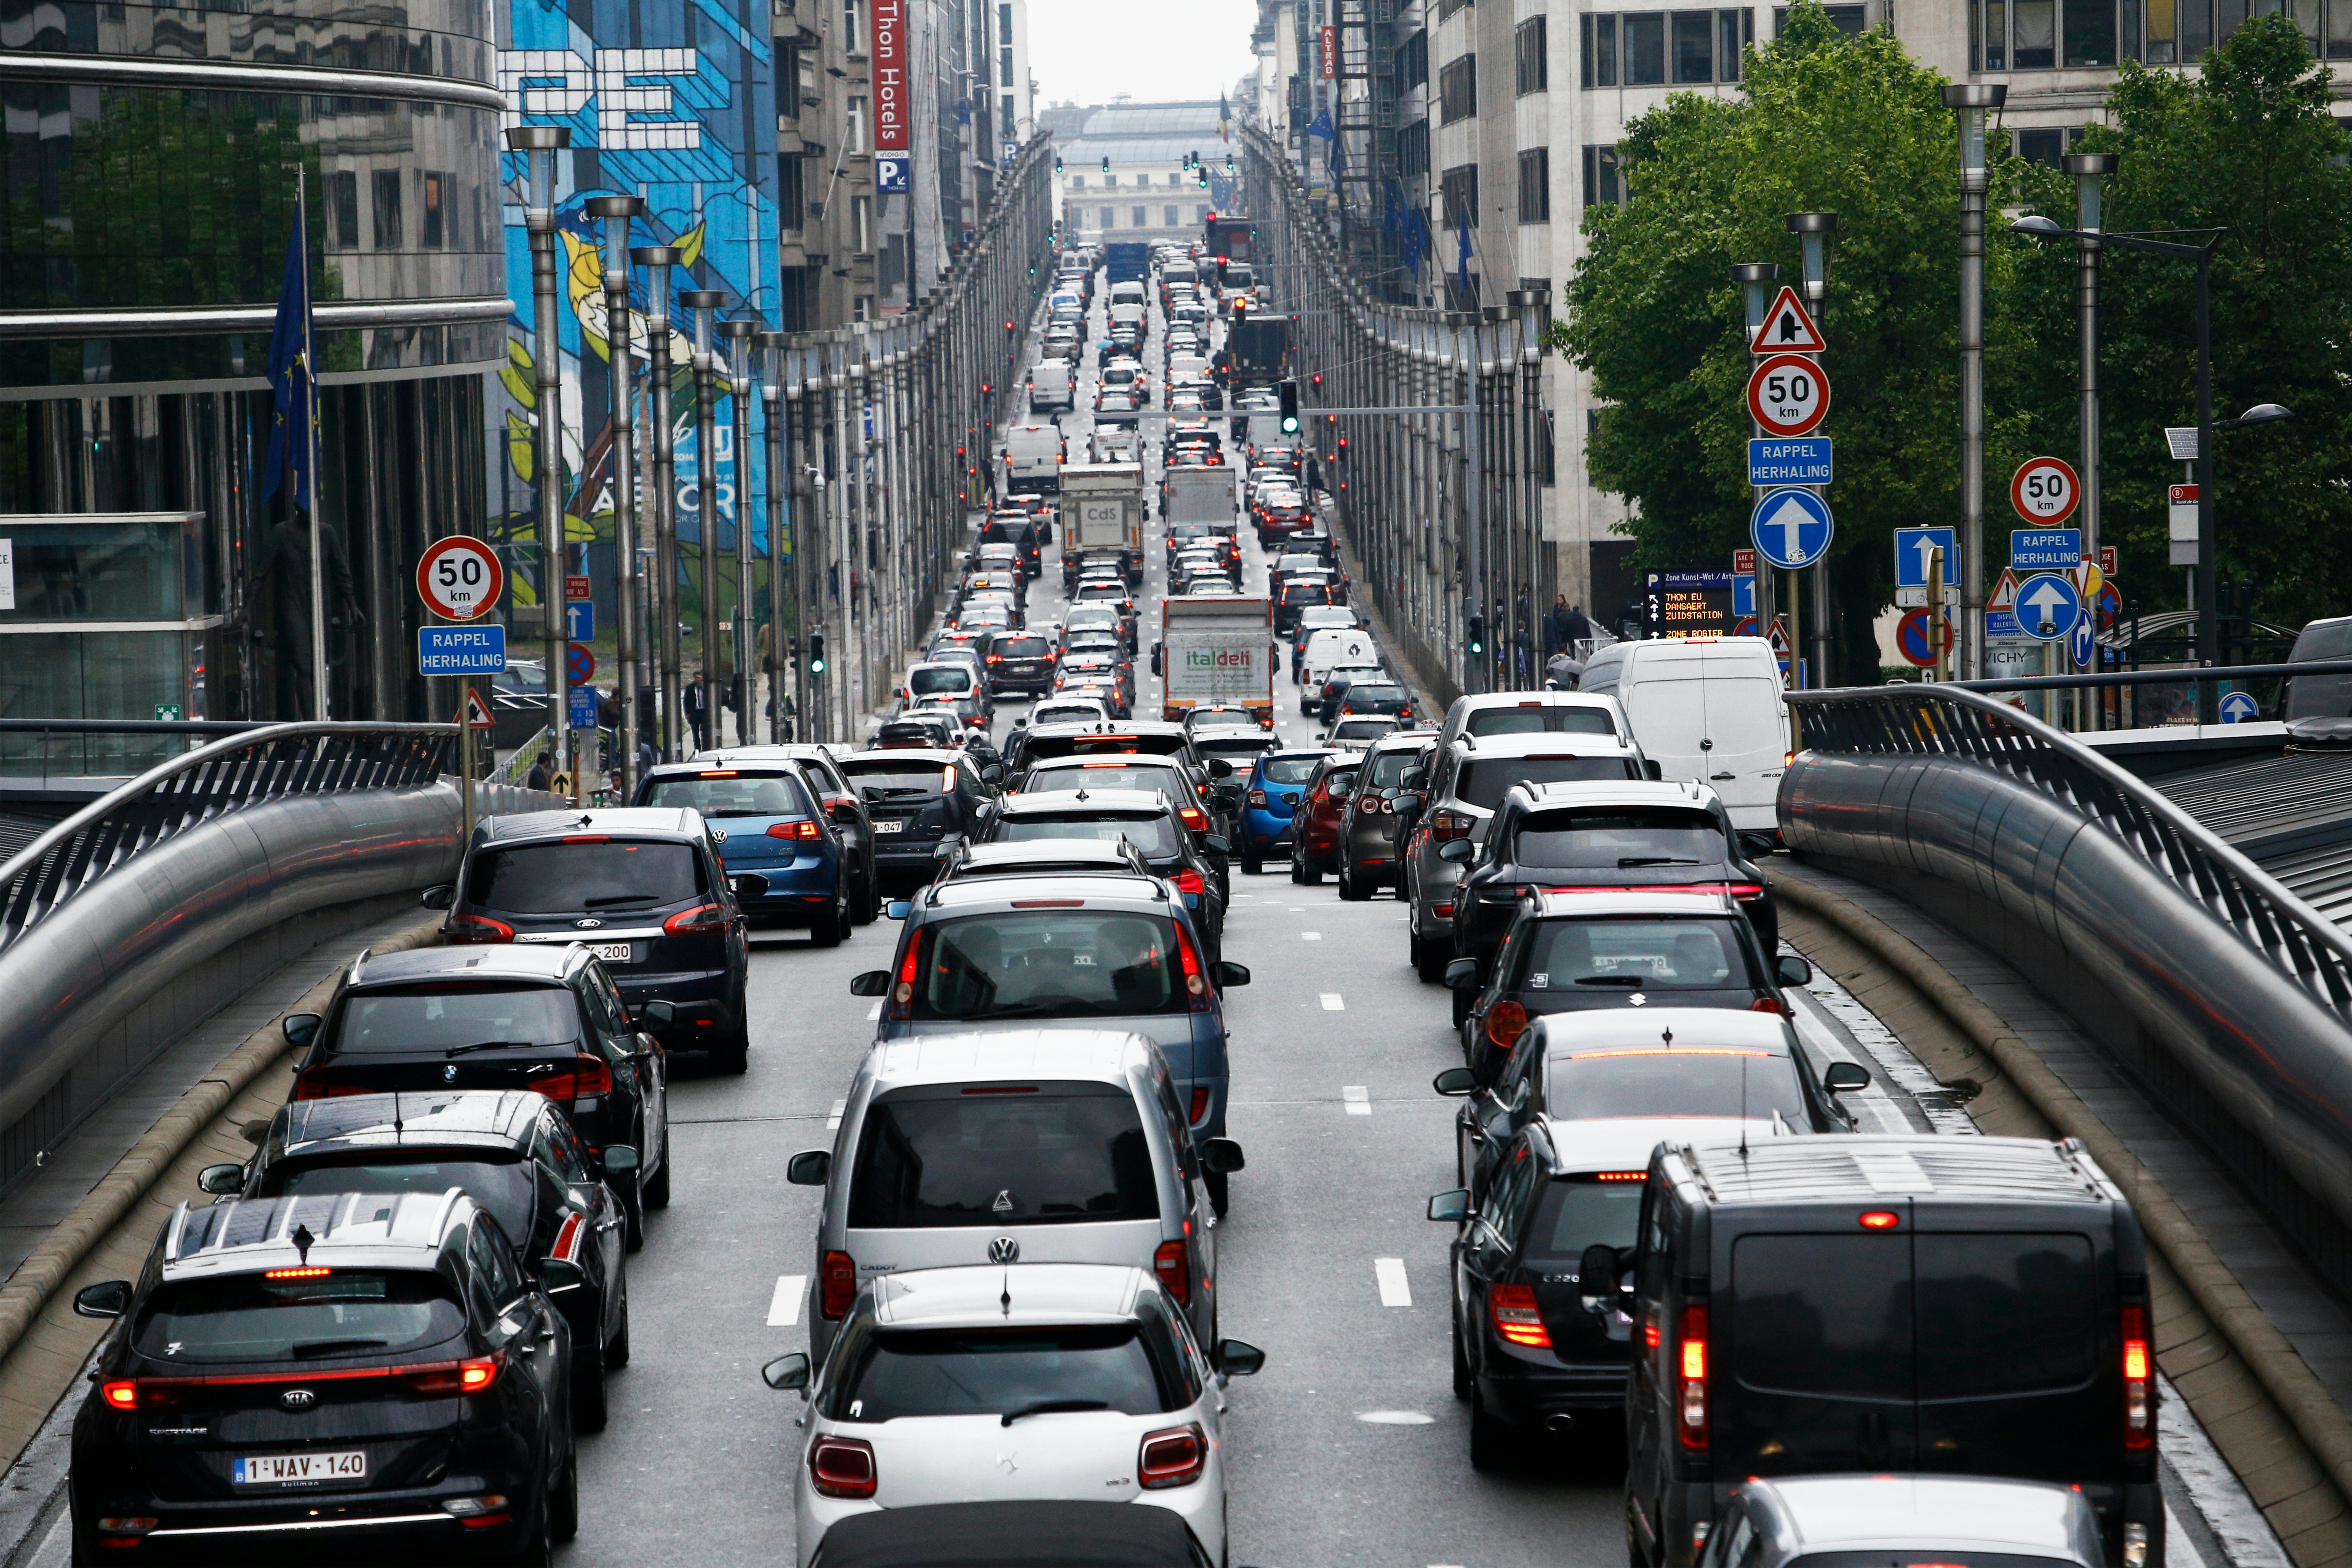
609,899
1054,1406
491,1045
1633,980
335,1347
1625,860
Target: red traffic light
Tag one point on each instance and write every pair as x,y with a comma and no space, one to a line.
1212,217
1318,374
1008,326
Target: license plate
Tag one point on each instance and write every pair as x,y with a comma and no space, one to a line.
281,1469
889,826
612,951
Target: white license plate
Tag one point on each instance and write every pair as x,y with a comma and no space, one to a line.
279,1469
889,826
612,951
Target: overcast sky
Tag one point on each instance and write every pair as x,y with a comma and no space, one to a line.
1090,51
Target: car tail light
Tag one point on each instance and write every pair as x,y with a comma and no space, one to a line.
476,1376
1448,825
1746,892
1194,817
1442,911
567,1239
1505,1020
588,1077
1173,1457
1513,1309
313,1084
114,1531
1257,797
1200,1105
800,829
2139,1393
1765,1004
841,1467
462,930
484,1511
1691,1378
1196,984
701,917
1175,1271
121,1394
837,1284
1189,882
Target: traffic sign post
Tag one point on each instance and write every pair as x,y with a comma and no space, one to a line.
577,586
580,664
584,707
2045,548
579,621
1797,460
1787,396
2044,490
461,650
460,578
1792,528
2238,707
2047,606
1743,595
1786,328
1913,642
2082,642
1914,547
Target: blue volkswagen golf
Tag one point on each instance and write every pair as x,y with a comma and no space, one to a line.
766,818
1276,782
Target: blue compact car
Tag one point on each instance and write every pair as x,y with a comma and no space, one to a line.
767,817
1276,782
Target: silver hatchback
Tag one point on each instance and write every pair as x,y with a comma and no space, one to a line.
1016,1145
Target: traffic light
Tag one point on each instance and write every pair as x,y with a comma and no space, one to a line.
1475,634
1241,311
1212,217
1290,408
1057,163
1106,163
1201,177
816,653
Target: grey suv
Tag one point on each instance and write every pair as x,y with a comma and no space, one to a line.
1371,822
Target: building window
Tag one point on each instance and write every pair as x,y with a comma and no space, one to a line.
1646,49
1535,186
1201,213
1847,20
1412,149
789,194
1457,89
1604,183
384,187
1531,50
2046,146
862,308
2041,35
1143,217
431,186
861,224
1077,182
1172,220
1011,122
1004,67
853,37
1412,61
1458,190
856,131
343,208
1734,31
1108,215
1598,51
1693,41
1110,179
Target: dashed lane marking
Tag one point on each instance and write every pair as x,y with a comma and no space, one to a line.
1331,1003
784,1306
1357,1099
1390,1272
1310,936
833,1117
1395,1417
874,1012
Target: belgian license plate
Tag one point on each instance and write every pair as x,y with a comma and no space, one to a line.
886,825
613,952
281,1469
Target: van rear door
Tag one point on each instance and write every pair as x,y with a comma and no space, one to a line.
1821,1350
1713,717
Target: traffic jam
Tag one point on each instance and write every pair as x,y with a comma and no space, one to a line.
1523,1183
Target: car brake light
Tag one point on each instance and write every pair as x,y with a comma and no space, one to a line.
1200,1105
837,1284
1257,797
800,829
2139,1397
1448,825
701,917
466,929
1692,1377
588,1077
1442,911
1196,984
120,1395
302,1273
567,1239
1880,1220
1189,882
1505,1020
1764,1005
1173,1457
476,1376
1194,817
841,1467
1174,1270
1516,1318
314,1085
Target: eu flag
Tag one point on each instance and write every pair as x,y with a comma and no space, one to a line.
294,394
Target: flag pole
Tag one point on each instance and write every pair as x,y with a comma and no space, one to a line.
310,455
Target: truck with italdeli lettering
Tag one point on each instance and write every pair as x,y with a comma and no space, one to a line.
1216,651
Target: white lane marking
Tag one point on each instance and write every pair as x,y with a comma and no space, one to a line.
1395,1291
1310,936
1394,1417
784,1306
1357,1098
833,1117
874,1012
1331,1003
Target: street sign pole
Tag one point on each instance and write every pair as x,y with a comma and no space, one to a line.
539,145
1969,102
1812,230
1936,633
616,212
1755,279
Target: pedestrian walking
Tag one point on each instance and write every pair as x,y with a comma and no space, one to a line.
698,710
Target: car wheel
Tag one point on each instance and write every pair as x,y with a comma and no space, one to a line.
1308,872
1490,1439
1297,873
1463,1386
589,1411
537,1547
1634,1556
657,1186
1351,889
868,903
733,1055
563,1501
1219,1184
633,1211
830,927
616,1351
1251,865
1429,962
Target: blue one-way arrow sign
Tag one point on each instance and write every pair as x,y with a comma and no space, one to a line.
1912,548
1792,528
2047,606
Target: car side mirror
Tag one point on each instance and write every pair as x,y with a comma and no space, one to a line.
299,1028
809,1168
748,885
991,775
440,896
1452,1207
1220,768
1457,851
843,814
1236,1358
874,982
1844,1076
1596,1277
1462,974
1230,974
622,1160
1652,772
786,1372
107,1299
220,1181
1216,844
1758,843
1221,1156
1412,778
1794,970
897,910
1454,1081
557,1275
658,1014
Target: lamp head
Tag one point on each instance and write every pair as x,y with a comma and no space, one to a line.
2266,413
2036,226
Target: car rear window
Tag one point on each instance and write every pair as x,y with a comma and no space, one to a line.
1825,1316
930,682
1620,838
1097,775
1483,781
1161,745
591,873
1305,593
1539,718
885,779
336,1312
503,1187
1004,1371
458,1014
1154,835
1372,691
1633,955
1667,1082
1002,1154
2017,1311
1020,647
1581,1211
733,793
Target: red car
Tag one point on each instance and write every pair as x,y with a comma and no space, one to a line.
1315,828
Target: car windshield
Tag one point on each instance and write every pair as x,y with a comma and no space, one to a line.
1067,962
1583,1211
1002,1154
1291,770
1536,719
337,1311
1483,781
1660,1080
1629,953
733,793
999,1372
590,872
1617,836
503,1187
883,777
461,1013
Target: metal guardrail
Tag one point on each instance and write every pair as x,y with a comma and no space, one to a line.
267,762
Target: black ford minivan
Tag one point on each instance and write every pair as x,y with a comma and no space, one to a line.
1949,1306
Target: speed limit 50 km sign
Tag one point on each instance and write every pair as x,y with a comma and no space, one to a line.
1787,396
2044,490
459,578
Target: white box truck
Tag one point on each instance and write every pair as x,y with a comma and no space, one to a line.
1216,651
1200,495
1102,518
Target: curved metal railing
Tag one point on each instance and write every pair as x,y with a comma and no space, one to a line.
265,762
1919,720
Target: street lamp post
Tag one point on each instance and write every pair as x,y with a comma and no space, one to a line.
738,385
539,144
2089,168
771,406
616,212
1970,100
658,260
703,303
1812,231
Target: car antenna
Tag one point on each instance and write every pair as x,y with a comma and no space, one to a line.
1743,1108
397,1130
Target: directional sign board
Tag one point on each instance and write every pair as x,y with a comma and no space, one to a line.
2047,606
1787,396
460,579
2238,707
461,650
2045,548
1792,528
1799,460
579,621
1913,546
2044,490
1743,596
1687,604
1786,328
1911,638
584,707
2082,642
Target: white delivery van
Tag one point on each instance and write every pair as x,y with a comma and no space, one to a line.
1706,710
1351,645
1053,387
